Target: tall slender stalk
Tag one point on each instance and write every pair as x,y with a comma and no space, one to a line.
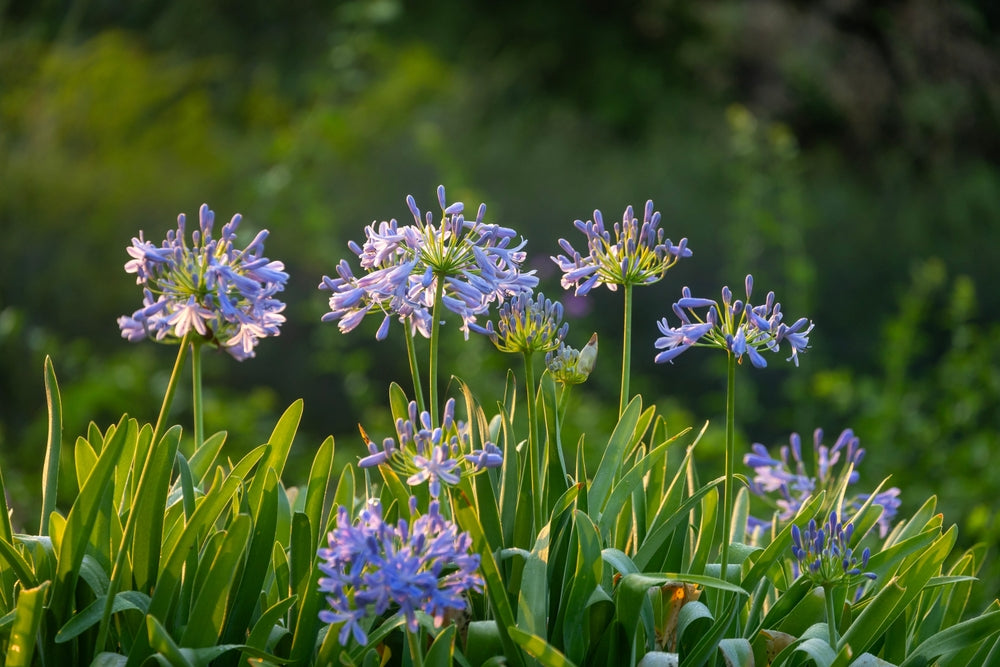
435,326
831,616
196,394
727,492
416,655
534,455
168,395
411,353
626,349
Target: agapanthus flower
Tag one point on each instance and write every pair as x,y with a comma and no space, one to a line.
786,483
639,255
469,264
527,323
570,366
824,554
371,566
432,454
223,294
737,326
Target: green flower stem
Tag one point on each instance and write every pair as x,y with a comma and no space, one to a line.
831,616
626,349
168,396
196,395
534,455
727,492
435,326
416,655
411,353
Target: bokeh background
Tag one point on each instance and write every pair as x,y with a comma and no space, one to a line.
843,151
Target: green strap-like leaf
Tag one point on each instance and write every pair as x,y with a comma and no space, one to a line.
91,615
27,620
609,468
955,638
541,650
53,448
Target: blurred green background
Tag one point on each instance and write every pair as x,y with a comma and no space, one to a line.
842,151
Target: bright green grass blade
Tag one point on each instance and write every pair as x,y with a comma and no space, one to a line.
207,512
280,443
53,447
631,481
84,460
442,651
204,457
954,638
80,524
614,454
467,519
209,611
91,615
27,621
546,654
160,641
261,631
318,487
255,565
586,579
150,509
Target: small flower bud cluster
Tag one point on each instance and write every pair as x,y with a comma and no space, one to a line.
570,366
432,454
372,565
526,324
825,554
225,295
639,255
736,326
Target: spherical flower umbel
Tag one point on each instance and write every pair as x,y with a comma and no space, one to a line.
527,323
825,554
784,481
224,294
468,264
435,455
570,366
736,326
369,566
640,253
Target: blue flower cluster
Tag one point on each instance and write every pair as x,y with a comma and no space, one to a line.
825,554
639,255
736,326
225,295
466,265
788,477
373,565
435,455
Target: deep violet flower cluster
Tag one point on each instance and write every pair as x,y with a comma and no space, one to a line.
824,554
527,323
372,565
224,294
736,326
640,253
466,265
785,481
435,455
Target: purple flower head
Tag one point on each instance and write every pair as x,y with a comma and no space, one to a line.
465,265
735,326
371,566
640,253
570,366
786,484
224,294
527,323
825,554
437,455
